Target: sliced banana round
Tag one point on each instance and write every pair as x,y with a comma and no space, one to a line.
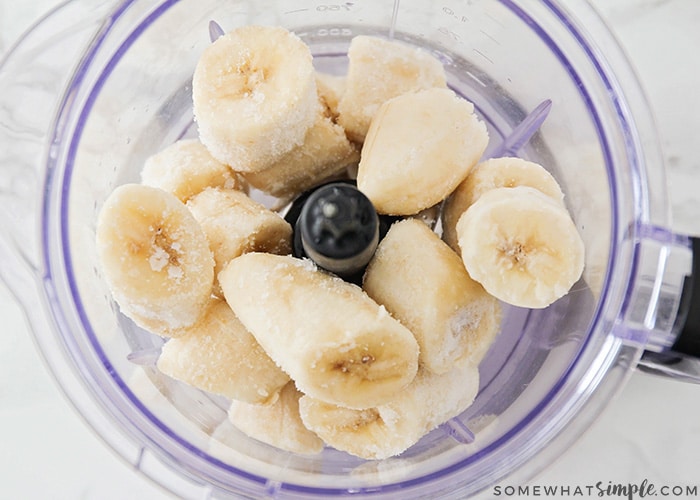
521,245
491,174
254,95
423,284
388,430
278,423
419,148
155,258
220,356
379,69
336,343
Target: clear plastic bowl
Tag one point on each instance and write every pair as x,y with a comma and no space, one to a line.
96,88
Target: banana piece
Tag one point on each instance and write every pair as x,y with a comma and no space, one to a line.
424,285
155,258
388,430
254,96
324,155
235,224
419,148
336,343
378,70
220,356
330,90
186,168
278,424
521,245
490,174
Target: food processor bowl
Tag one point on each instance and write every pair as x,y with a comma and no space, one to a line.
96,87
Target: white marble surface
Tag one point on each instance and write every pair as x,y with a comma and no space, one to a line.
651,431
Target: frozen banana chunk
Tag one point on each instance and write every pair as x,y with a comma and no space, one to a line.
521,245
155,258
220,356
491,174
336,343
423,284
390,429
330,90
235,224
324,155
378,70
185,168
254,95
419,148
278,424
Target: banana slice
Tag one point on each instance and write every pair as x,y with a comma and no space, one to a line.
254,95
278,424
186,168
330,90
491,174
336,343
419,148
220,356
521,245
155,258
378,70
424,285
389,429
235,224
324,155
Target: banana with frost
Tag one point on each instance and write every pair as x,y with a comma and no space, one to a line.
491,174
336,343
419,148
155,258
324,155
378,70
423,284
220,356
278,424
390,429
254,96
186,168
235,224
521,245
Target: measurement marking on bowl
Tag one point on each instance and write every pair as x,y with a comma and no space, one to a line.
295,11
490,37
458,431
494,19
334,7
454,15
483,55
452,35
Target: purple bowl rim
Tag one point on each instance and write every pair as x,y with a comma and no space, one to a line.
64,234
